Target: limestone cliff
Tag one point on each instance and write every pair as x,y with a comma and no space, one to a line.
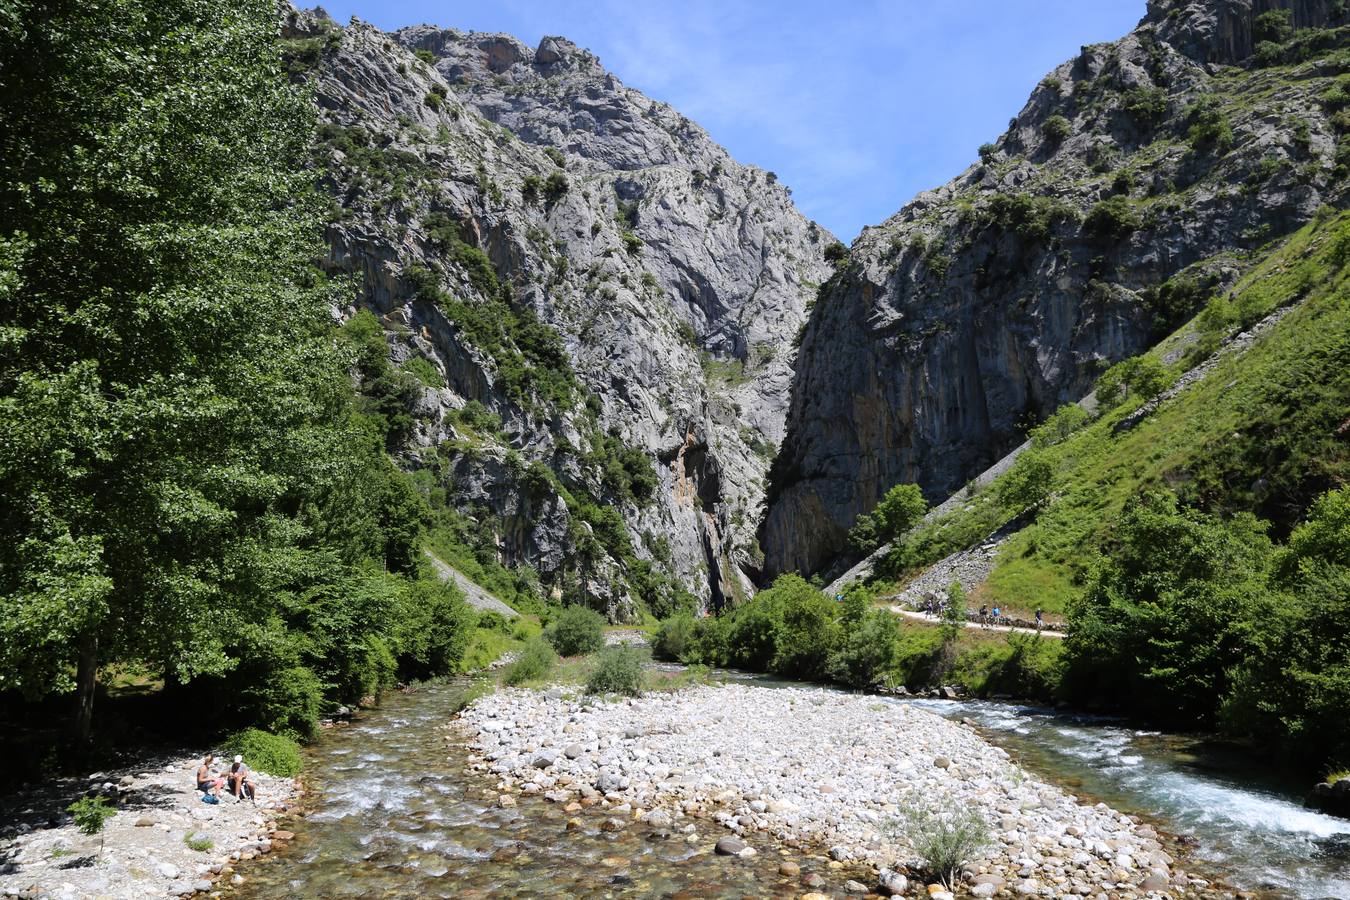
985,304
598,287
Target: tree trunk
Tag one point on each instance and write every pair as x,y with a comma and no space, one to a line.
85,680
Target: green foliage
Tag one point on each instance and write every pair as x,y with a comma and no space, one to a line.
1142,377
91,813
197,842
836,253
555,186
953,613
576,630
537,658
1031,218
1112,219
1055,129
1066,420
272,754
1177,299
674,637
631,242
1209,131
1146,106
422,369
806,635
1163,622
987,152
1028,483
185,478
530,186
425,56
1262,432
897,512
1294,680
945,841
529,355
1275,26
618,670
867,650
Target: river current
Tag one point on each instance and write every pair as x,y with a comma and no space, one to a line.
398,816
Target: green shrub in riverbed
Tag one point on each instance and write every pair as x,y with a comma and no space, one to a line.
537,658
945,840
618,670
272,754
576,630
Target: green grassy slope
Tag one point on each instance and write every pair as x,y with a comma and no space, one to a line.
1266,430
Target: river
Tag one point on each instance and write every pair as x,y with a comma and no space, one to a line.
399,816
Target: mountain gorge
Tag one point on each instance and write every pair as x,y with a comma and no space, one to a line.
600,302
1142,177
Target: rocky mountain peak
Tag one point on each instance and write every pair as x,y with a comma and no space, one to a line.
480,180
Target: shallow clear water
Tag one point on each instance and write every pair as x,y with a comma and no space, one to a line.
1247,825
399,816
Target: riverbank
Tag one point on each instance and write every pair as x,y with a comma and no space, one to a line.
163,841
813,765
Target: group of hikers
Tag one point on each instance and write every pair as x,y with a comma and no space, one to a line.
238,778
985,617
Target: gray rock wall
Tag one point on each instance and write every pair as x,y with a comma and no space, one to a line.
958,323
675,277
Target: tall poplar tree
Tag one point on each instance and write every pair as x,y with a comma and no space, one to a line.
170,400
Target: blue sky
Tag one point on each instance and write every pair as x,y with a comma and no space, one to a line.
856,105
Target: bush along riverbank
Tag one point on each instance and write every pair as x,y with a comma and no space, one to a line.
795,631
919,799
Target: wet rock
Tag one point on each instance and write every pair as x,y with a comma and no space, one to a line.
612,825
789,869
729,846
855,887
892,882
658,817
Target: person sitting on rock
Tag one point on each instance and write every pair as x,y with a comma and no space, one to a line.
241,781
208,782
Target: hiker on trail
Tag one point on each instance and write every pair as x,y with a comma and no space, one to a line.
241,781
1040,619
208,782
998,616
984,615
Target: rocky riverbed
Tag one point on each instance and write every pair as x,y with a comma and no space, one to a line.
811,765
163,841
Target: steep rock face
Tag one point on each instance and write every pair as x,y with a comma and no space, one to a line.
496,200
983,305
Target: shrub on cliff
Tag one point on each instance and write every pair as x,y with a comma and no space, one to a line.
577,630
1055,129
